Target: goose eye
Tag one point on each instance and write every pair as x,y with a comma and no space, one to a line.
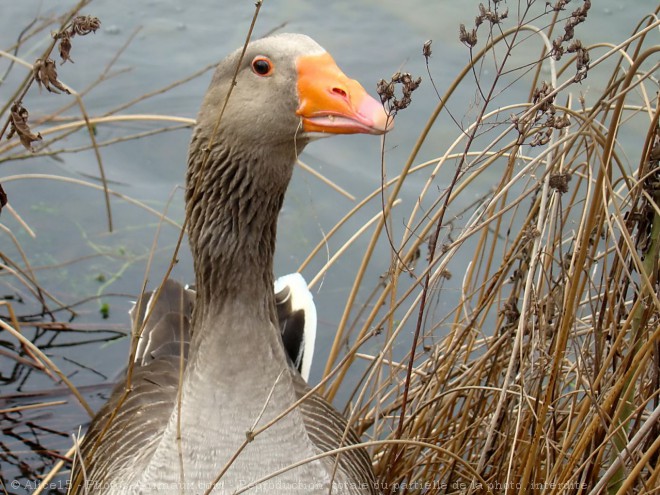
262,66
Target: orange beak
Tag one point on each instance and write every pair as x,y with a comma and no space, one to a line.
330,102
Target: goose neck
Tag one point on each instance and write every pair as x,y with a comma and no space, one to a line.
233,198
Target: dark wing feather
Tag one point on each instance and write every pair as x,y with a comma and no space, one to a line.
133,421
326,428
168,321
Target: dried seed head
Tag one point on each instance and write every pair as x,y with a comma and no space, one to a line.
582,59
542,137
575,46
408,86
577,17
45,73
469,39
84,24
492,16
81,25
386,90
557,122
414,84
542,95
559,182
509,310
18,124
65,47
426,50
557,48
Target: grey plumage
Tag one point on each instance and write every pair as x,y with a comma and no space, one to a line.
210,366
137,425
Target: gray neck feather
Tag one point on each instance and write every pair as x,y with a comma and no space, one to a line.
233,205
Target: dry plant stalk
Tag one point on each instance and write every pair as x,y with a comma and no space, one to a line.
543,376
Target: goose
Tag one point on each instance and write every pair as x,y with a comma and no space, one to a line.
184,430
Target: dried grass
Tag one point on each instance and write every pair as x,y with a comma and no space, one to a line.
543,377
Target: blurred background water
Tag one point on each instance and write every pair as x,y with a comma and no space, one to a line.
369,39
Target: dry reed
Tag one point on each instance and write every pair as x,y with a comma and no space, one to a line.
542,376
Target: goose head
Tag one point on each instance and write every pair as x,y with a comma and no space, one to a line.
288,88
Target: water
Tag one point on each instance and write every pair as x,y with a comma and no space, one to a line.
369,39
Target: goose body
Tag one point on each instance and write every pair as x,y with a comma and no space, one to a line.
211,367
